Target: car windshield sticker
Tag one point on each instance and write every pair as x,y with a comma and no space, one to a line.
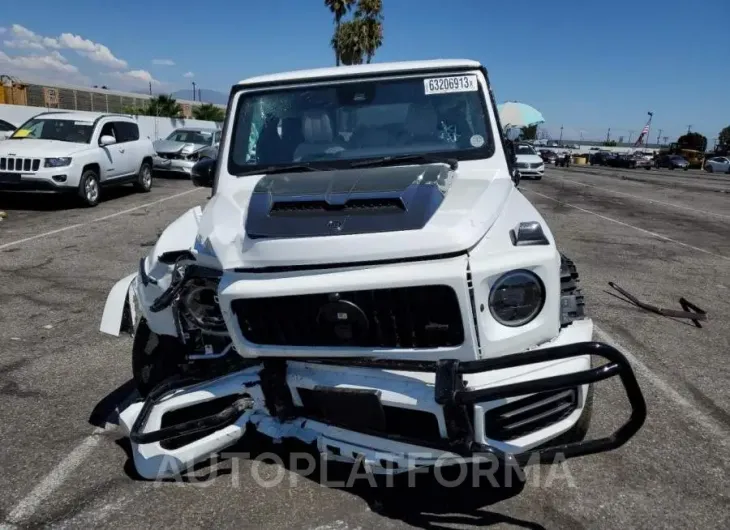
447,85
83,123
477,140
21,133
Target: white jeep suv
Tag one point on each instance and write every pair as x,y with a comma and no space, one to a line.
73,152
366,277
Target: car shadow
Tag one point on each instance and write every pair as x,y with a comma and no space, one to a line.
50,202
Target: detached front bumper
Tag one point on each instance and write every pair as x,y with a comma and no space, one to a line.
345,415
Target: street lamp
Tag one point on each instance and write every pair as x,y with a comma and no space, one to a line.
648,129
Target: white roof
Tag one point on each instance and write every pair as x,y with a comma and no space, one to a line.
81,116
360,69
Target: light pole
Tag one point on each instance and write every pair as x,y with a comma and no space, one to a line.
631,133
658,137
689,129
193,90
561,136
608,135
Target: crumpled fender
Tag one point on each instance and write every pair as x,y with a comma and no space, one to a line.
179,235
116,300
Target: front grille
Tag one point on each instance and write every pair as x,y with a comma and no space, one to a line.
528,415
404,317
19,164
536,165
523,165
402,422
171,156
352,206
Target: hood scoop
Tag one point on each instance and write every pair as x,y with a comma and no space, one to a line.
348,201
351,207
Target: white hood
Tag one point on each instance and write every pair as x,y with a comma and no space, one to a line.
29,148
530,159
470,203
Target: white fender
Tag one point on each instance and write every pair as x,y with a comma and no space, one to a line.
111,318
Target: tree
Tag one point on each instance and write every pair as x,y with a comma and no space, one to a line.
356,40
208,112
349,42
370,15
692,140
723,140
610,143
339,8
528,133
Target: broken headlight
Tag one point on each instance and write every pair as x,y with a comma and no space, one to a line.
198,304
516,298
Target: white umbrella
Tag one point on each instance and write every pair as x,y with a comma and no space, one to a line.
515,114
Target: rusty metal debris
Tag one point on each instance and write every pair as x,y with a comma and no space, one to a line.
689,310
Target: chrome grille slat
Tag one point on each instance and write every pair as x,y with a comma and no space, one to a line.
21,165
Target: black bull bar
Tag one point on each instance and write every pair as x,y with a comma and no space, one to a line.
450,393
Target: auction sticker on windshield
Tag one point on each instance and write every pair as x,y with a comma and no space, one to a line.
446,85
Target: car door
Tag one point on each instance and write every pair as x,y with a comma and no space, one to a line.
132,150
110,161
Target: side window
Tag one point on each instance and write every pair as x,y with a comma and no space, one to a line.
126,132
108,130
217,137
131,131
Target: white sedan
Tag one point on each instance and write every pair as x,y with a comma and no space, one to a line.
719,164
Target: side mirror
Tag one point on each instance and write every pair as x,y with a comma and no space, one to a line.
203,173
107,140
516,176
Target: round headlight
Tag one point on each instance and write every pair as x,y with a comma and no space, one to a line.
199,304
516,298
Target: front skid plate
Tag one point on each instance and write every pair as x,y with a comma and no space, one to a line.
263,398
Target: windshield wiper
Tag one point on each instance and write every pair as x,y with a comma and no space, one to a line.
394,160
272,170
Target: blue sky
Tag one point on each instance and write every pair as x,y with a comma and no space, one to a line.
587,68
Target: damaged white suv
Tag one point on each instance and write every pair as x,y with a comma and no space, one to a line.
367,277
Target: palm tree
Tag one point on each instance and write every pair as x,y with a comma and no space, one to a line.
208,112
370,15
339,8
350,42
162,105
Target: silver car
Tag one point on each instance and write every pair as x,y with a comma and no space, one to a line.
719,164
184,147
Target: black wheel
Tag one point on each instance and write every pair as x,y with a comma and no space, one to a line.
709,168
89,189
154,358
144,178
685,168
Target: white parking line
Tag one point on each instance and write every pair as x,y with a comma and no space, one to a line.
611,219
671,204
98,219
710,426
25,509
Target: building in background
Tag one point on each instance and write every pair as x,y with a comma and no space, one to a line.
68,97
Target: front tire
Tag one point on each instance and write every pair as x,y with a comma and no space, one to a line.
89,189
144,178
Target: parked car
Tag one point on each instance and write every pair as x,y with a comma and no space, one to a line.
718,164
6,129
319,268
71,152
598,158
529,163
628,161
672,162
184,147
548,156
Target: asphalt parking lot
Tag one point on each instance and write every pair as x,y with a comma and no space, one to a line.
661,235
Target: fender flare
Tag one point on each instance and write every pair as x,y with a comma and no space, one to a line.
119,299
